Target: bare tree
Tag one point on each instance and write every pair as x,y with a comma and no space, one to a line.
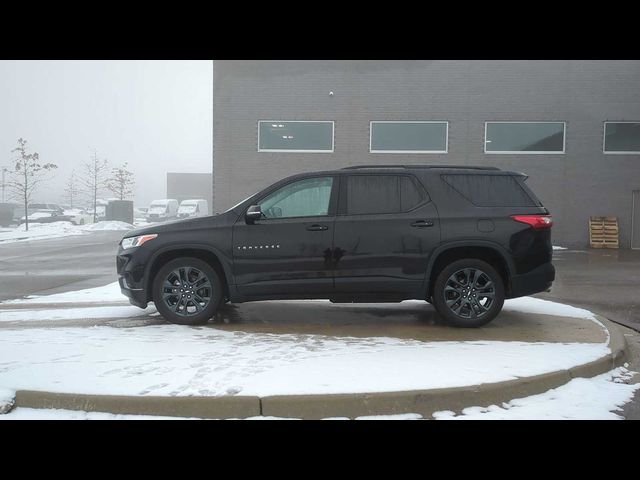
121,182
71,189
27,173
95,179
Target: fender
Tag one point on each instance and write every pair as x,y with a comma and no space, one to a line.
503,252
224,260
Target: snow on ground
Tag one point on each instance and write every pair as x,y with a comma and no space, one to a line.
545,307
556,247
126,311
594,398
6,400
177,361
111,225
582,398
106,293
43,231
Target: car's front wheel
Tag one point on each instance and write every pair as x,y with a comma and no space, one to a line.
468,293
187,291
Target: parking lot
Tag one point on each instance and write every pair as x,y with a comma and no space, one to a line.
284,336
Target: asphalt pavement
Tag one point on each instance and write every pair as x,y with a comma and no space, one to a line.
44,267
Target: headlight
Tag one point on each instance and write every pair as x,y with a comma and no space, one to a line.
137,241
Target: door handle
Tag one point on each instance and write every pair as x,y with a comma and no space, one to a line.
422,224
317,228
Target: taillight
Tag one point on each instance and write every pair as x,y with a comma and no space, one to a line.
538,222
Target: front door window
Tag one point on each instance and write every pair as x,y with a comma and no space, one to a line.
304,198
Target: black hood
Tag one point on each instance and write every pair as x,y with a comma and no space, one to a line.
183,225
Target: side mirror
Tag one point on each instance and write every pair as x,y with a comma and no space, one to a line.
254,212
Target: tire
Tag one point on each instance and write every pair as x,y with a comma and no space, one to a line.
452,287
170,300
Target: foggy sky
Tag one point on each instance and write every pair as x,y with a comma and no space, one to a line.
155,115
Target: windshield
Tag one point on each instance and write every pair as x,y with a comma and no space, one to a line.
241,202
187,208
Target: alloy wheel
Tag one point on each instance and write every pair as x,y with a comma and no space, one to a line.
469,293
187,291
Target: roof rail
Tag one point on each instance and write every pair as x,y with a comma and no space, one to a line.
465,167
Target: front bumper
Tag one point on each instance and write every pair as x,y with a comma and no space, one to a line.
130,265
537,280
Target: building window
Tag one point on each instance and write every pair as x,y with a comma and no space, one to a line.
524,137
408,137
622,137
295,136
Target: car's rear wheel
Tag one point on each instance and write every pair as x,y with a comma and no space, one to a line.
187,291
468,293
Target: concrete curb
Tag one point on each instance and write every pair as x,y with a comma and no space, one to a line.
424,402
200,407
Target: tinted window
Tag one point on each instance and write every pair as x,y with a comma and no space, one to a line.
409,137
622,137
411,194
368,194
490,190
515,137
304,198
295,136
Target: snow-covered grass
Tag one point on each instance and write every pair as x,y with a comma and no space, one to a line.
582,398
105,293
43,231
175,360
111,225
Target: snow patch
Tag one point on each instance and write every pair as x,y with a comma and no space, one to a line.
172,360
546,307
106,293
556,247
582,398
108,225
40,231
7,400
74,313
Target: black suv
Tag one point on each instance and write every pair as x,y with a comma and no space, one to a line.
462,238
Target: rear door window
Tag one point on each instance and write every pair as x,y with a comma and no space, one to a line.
490,190
372,194
411,194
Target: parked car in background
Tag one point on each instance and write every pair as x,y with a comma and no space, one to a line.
163,210
140,214
9,214
44,207
193,208
78,216
45,216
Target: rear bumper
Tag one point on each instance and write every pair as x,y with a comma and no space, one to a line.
537,280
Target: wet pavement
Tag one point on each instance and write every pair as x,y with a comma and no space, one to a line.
58,265
407,320
604,281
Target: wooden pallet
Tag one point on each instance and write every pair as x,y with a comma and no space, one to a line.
603,232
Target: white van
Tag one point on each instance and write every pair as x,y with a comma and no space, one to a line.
162,210
193,208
